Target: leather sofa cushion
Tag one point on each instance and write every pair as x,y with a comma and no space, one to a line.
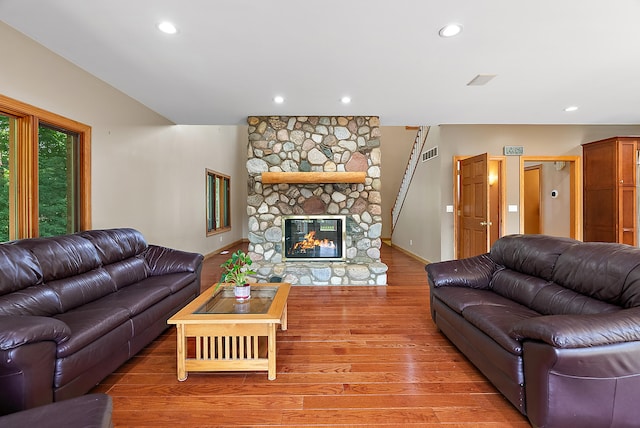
517,286
600,270
88,323
94,357
496,322
534,255
556,300
38,300
113,245
173,281
136,298
587,267
546,297
18,269
83,288
62,256
128,271
459,298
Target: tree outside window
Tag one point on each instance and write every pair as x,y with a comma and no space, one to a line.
57,181
218,205
7,202
44,173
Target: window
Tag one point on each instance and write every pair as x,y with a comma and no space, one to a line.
7,192
44,173
57,186
218,210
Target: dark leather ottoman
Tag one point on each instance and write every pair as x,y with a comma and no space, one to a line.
87,411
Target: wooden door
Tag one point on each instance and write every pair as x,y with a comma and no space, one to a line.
532,218
474,206
610,195
627,204
600,192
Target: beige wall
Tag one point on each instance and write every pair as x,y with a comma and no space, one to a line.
395,145
418,229
147,173
425,220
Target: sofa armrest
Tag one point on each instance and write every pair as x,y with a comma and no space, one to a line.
26,376
162,260
472,272
581,331
581,387
19,330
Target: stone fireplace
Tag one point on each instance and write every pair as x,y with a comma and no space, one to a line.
313,201
314,238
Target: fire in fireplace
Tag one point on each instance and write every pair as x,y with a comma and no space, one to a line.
314,237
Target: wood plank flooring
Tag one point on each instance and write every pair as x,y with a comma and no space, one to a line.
352,356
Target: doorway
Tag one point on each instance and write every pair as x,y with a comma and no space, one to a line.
532,199
480,209
559,207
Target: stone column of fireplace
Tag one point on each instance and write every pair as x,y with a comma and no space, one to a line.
305,144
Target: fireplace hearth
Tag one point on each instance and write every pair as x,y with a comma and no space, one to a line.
314,238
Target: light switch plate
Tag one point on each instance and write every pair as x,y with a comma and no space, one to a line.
449,208
513,208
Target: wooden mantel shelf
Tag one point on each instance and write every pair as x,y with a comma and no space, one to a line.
313,177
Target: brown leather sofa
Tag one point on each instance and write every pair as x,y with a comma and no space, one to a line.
73,308
553,323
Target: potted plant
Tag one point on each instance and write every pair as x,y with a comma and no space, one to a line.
236,269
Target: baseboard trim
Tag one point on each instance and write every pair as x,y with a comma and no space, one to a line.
226,247
410,254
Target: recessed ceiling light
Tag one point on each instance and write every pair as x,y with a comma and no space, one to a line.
278,99
167,27
571,108
450,30
345,100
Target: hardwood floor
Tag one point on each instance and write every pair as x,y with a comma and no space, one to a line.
352,356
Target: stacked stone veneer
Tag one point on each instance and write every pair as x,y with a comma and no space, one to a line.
316,143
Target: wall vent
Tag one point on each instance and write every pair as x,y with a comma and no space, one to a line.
429,154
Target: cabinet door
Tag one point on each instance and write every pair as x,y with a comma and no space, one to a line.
627,163
600,192
627,202
627,216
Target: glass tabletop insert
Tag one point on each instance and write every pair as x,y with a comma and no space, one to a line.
224,302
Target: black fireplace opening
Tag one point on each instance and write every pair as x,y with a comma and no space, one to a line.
314,238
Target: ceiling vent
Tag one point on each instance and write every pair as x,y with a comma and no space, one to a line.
430,154
481,79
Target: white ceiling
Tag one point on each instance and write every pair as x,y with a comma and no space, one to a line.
231,57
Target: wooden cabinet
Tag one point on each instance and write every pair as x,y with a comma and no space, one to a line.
610,199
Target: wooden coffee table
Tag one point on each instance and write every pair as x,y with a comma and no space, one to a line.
218,333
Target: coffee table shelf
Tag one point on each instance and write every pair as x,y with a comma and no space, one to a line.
213,336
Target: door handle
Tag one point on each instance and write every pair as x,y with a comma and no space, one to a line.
485,223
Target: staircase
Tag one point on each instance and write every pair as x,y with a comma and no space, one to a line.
416,151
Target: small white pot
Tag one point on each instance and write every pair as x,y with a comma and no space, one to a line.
242,292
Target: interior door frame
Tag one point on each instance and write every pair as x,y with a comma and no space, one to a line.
575,185
538,168
501,179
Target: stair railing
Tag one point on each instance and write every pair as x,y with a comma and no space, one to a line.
414,158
